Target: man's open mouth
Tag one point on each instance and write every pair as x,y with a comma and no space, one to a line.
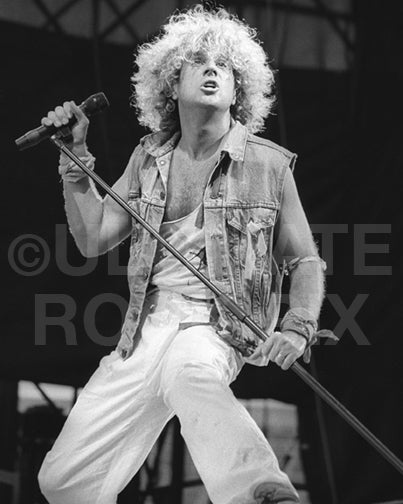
210,84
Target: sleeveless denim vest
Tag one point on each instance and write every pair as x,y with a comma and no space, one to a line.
241,204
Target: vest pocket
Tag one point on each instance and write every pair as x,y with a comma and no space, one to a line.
250,236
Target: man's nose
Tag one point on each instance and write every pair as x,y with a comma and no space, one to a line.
211,68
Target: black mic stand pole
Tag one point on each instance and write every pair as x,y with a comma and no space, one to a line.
322,392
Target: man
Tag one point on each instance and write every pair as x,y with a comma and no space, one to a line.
227,200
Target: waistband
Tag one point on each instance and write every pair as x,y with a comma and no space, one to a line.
166,294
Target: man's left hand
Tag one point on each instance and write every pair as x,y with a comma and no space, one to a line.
283,348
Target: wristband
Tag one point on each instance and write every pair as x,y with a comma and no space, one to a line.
300,321
70,172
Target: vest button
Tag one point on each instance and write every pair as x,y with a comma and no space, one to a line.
162,195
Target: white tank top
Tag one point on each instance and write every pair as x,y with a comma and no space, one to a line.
187,236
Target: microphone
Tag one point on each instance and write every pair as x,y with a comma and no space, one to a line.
92,105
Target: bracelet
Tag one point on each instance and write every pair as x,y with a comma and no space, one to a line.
323,333
70,172
294,263
300,321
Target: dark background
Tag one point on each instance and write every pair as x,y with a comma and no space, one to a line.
347,130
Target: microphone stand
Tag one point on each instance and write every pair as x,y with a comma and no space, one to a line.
321,391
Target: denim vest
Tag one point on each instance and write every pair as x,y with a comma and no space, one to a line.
241,203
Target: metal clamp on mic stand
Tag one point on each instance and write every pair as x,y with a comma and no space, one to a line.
322,392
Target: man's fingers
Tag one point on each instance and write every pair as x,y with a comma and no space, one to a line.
280,350
275,355
61,116
52,118
81,117
288,362
57,117
266,347
67,109
45,121
280,358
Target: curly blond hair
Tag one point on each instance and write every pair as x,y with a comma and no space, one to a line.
193,31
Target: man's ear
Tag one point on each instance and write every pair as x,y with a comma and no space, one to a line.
174,94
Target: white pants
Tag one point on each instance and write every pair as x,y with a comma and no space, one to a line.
125,405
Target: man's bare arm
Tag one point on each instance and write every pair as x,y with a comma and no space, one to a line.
96,224
295,244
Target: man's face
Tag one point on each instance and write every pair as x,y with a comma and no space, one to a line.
208,81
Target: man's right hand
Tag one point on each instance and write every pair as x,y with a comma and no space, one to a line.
61,115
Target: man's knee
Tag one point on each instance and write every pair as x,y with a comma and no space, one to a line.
48,481
53,483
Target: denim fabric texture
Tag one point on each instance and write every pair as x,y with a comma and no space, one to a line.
240,207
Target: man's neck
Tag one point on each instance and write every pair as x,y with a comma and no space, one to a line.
200,138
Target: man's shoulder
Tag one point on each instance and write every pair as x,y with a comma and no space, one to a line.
266,144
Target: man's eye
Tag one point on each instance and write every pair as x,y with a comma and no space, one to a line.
222,64
197,60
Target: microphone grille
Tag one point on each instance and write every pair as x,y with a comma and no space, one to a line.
94,104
